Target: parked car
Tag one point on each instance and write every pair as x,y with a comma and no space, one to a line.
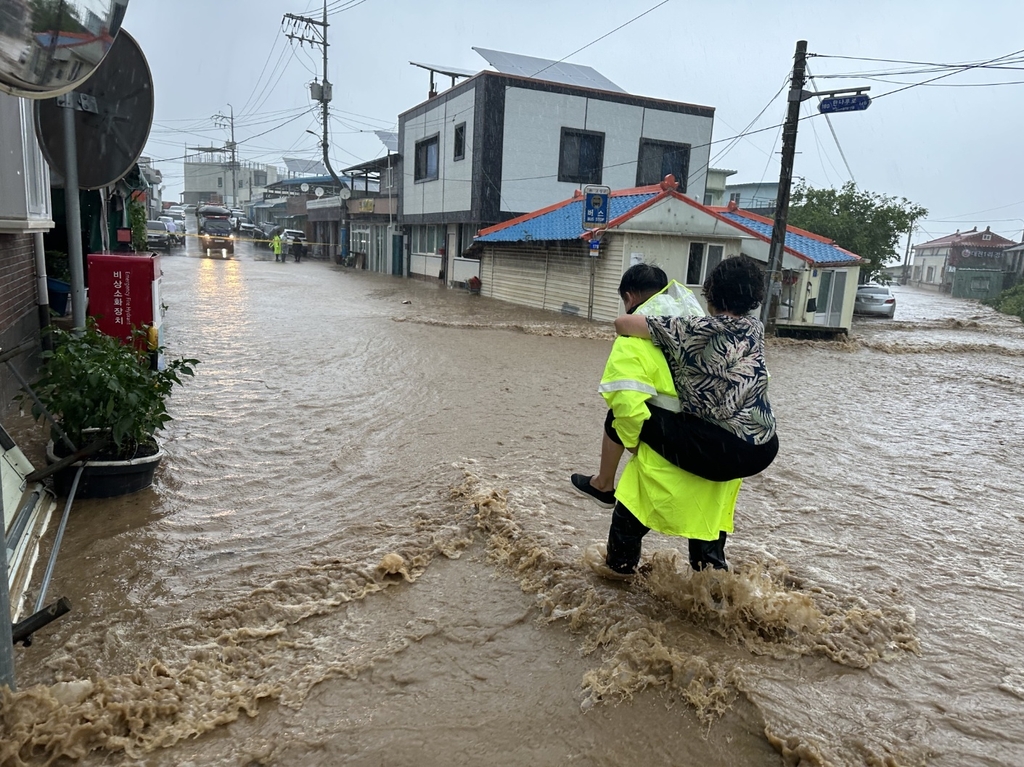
876,300
294,242
189,210
246,229
157,235
175,228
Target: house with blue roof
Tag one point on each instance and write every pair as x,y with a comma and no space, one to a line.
548,260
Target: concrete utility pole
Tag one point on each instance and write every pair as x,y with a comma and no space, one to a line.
797,94
225,121
319,30
308,30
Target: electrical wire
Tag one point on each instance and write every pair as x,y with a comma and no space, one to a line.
831,127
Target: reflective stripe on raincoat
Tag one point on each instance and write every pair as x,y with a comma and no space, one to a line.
660,494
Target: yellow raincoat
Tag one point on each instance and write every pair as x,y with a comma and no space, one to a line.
661,495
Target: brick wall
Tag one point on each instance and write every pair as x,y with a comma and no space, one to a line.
19,318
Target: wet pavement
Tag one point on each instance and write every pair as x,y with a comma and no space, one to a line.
362,549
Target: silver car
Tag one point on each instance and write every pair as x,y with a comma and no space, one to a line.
876,300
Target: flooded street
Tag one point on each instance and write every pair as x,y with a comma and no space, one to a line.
363,549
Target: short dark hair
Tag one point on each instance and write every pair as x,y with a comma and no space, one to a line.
736,285
642,279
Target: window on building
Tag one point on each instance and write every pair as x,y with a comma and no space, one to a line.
581,156
986,236
658,159
259,178
426,239
220,182
715,253
426,159
708,198
735,197
460,142
695,264
930,275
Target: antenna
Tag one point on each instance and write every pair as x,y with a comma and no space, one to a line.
48,49
113,113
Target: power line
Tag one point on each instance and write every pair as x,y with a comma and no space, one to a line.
831,127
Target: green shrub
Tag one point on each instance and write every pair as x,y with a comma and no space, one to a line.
1009,301
94,381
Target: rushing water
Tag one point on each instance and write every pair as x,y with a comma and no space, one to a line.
363,549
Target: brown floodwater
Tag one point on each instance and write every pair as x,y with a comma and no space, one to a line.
363,549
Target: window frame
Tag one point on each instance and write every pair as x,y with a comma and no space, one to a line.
425,142
681,178
578,178
459,153
707,259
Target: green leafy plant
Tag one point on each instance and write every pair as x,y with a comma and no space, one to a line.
58,266
92,381
1009,301
137,220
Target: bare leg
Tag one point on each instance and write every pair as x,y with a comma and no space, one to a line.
611,454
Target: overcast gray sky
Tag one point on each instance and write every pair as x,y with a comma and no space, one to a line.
953,147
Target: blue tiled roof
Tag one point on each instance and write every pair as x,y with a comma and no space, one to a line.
563,223
819,252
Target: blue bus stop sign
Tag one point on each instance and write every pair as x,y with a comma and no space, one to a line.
595,206
857,103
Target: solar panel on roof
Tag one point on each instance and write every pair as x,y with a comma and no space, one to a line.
299,165
442,70
546,69
389,139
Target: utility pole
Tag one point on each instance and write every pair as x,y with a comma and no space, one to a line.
225,121
797,94
322,94
906,256
308,30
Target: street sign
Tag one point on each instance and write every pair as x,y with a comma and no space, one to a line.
857,103
595,206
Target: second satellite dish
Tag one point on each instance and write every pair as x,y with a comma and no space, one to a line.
113,115
49,47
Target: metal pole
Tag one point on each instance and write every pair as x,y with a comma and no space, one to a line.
234,161
327,160
6,628
769,309
52,562
42,293
74,216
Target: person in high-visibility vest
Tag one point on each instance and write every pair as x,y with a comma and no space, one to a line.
275,245
654,493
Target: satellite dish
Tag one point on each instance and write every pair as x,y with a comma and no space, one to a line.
52,47
113,115
304,188
319,191
344,193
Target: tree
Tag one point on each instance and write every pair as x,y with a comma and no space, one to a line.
868,224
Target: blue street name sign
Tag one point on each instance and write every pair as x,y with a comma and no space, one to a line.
595,206
856,103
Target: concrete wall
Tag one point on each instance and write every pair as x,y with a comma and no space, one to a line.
533,131
452,190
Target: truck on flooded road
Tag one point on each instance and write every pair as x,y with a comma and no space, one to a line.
216,237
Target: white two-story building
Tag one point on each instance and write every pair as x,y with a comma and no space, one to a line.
500,144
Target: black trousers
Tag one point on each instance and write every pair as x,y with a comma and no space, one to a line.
699,447
625,538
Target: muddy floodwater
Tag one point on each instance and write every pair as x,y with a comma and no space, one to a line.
362,549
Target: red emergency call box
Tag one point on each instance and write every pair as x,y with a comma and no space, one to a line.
124,292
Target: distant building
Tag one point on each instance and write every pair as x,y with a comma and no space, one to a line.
963,264
760,198
715,188
500,144
154,194
208,178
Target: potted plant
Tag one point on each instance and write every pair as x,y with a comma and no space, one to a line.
108,400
